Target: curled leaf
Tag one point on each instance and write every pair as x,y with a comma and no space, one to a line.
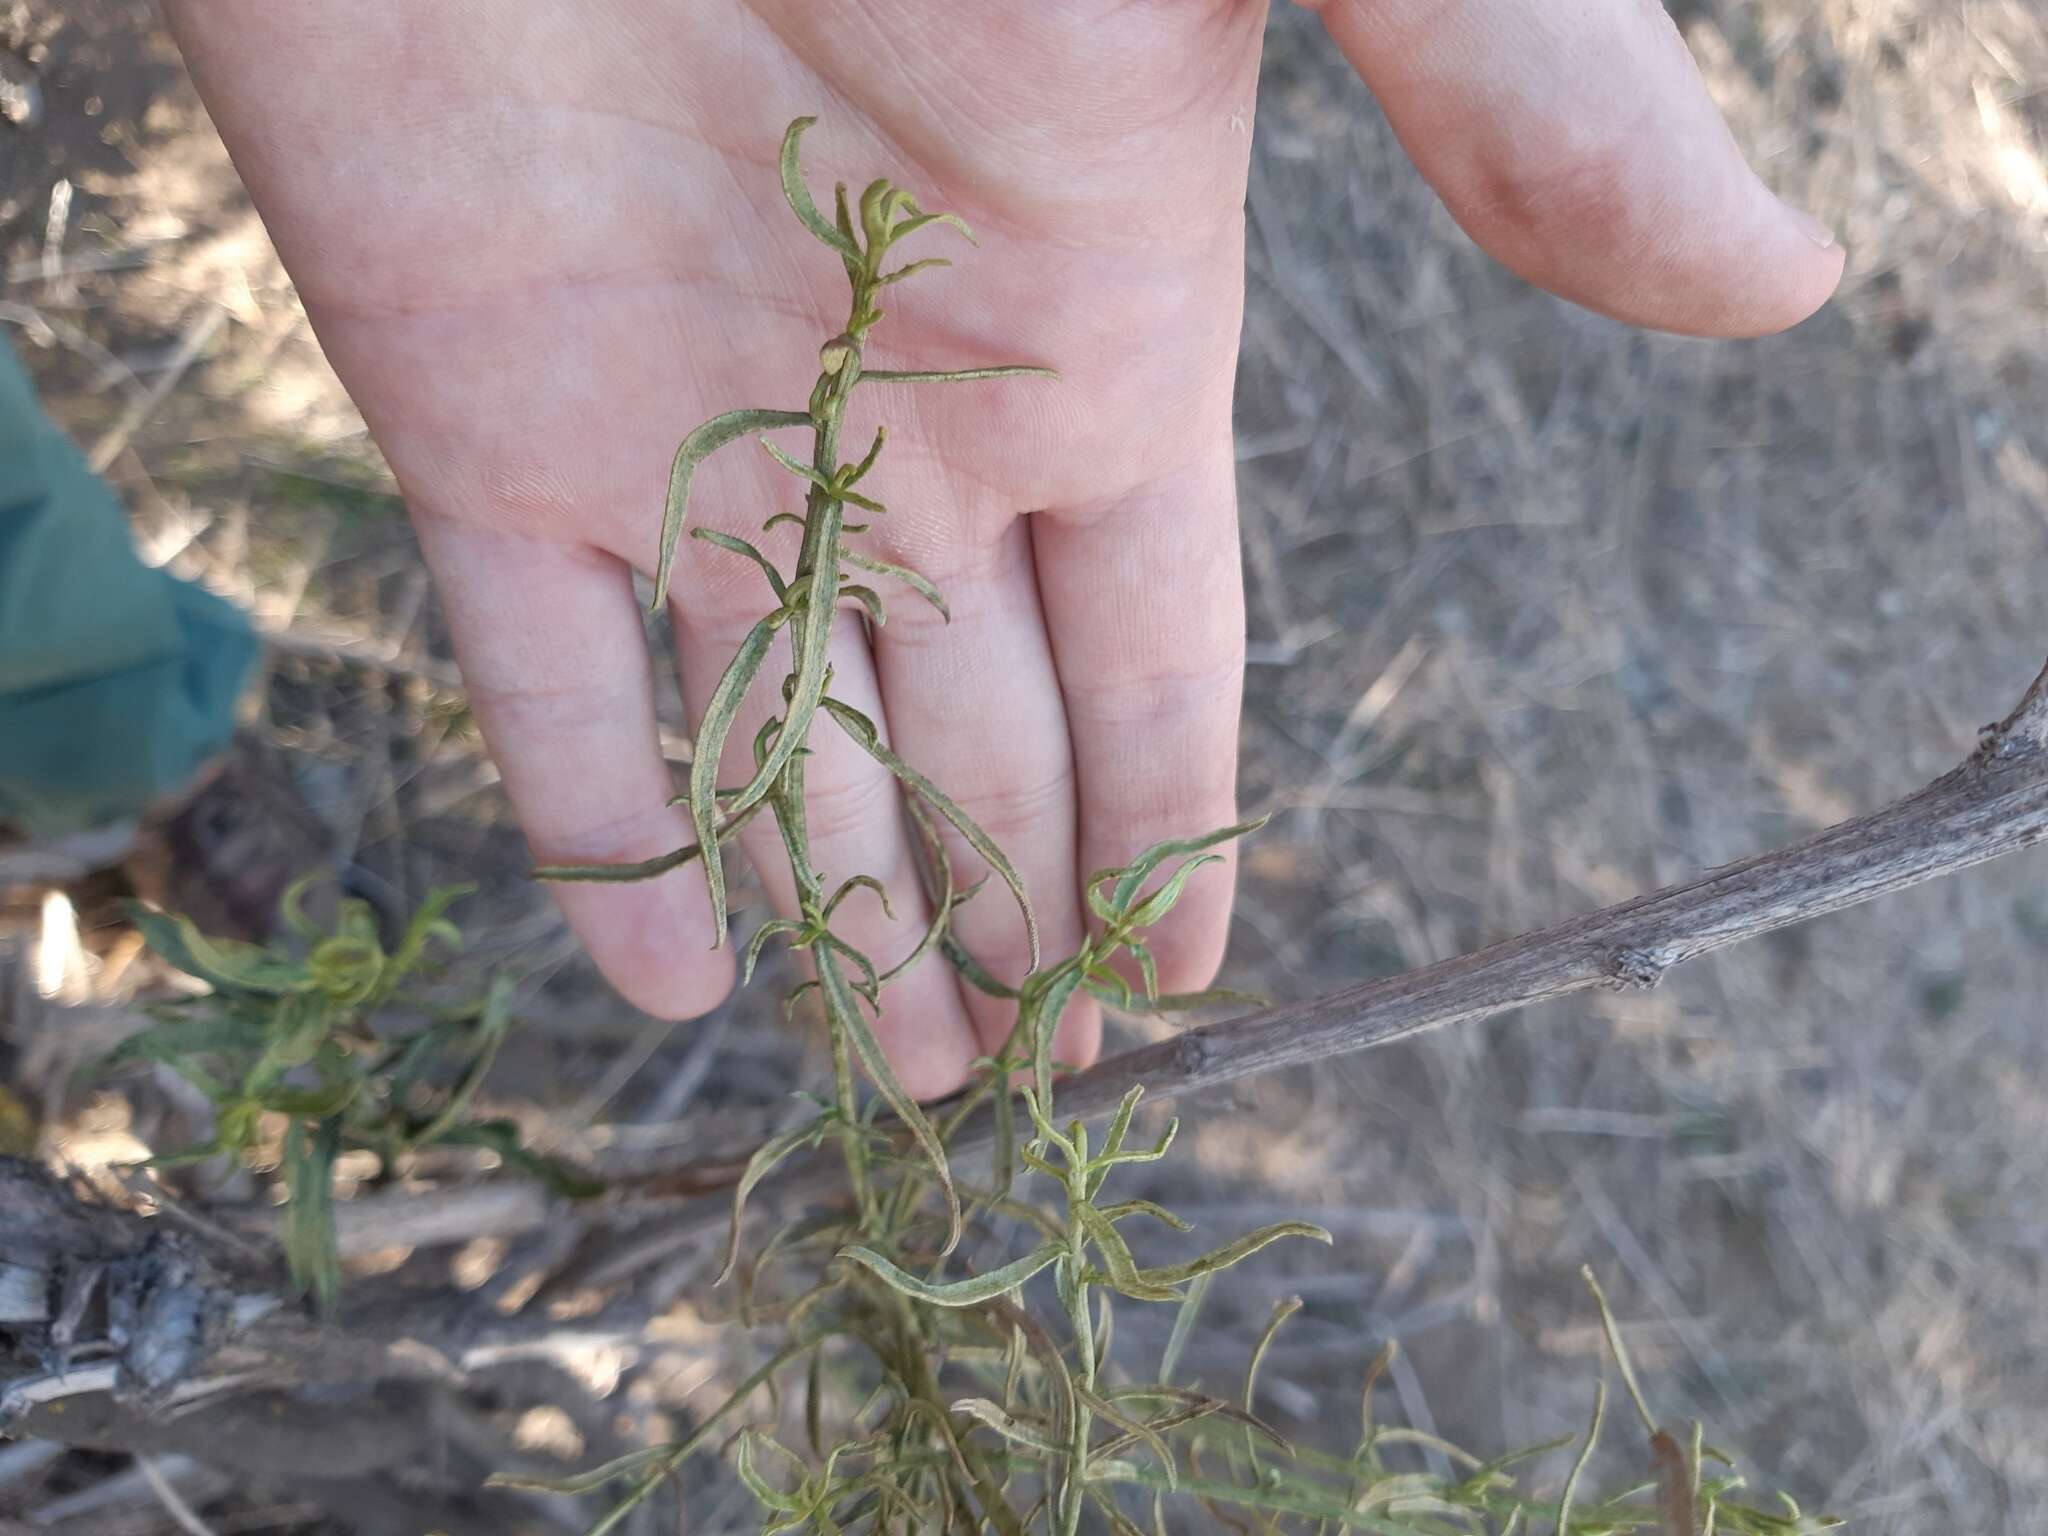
860,883
846,1014
1232,1253
917,221
751,956
1161,901
904,574
739,546
959,1293
229,964
1120,1268
720,711
1133,875
799,196
1010,1426
1183,1325
911,269
1158,1213
869,599
646,869
869,740
696,448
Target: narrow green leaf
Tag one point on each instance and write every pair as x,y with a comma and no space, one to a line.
877,206
869,985
842,220
719,713
615,874
868,598
1010,1426
865,736
799,196
583,1482
309,1244
1119,1267
859,471
428,923
752,954
740,546
1161,901
860,1035
1283,1309
1571,1482
808,473
1107,984
954,375
860,883
1183,1325
960,1293
917,221
1134,1427
1620,1350
1158,1213
229,964
764,1491
973,972
1148,969
291,906
1120,1125
695,449
1142,1154
911,269
1133,874
646,869
814,671
904,574
1232,1253
309,1103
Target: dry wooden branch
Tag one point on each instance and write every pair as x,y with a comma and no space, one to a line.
1995,803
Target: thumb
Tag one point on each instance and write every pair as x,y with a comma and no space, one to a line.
1577,145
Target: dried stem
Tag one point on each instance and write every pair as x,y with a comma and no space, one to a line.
1995,803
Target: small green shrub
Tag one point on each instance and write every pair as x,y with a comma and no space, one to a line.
288,1030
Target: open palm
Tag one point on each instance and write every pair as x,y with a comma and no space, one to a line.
540,242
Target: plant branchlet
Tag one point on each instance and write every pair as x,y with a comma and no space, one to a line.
958,1406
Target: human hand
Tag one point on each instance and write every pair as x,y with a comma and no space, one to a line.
540,242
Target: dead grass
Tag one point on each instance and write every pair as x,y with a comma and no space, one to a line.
1544,612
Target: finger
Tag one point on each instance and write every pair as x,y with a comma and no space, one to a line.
975,704
856,826
555,661
1578,146
1144,601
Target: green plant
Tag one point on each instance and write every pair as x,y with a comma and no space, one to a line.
939,1395
290,1033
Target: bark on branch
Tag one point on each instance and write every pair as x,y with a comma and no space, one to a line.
1994,803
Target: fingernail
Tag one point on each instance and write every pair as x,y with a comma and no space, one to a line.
1812,228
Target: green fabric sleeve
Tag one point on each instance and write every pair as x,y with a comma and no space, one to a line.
116,681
